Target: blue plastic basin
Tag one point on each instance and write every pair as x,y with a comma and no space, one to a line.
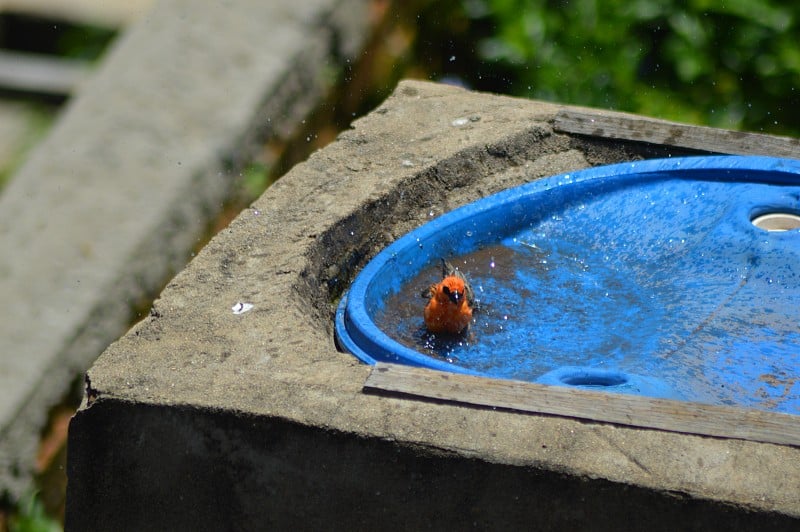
645,277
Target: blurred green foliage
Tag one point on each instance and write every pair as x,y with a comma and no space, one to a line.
31,517
255,178
83,41
724,63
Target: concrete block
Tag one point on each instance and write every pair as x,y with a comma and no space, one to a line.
111,203
203,418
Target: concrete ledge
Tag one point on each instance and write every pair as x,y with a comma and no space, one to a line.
197,401
110,205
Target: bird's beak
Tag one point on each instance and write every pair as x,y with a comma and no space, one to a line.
454,296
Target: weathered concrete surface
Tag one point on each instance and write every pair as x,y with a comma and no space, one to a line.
200,418
110,205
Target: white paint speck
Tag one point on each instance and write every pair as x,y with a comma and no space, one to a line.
241,308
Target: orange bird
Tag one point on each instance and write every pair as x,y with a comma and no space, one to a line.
449,309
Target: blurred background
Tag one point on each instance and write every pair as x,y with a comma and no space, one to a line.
725,63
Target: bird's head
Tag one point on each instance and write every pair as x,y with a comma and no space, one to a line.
452,289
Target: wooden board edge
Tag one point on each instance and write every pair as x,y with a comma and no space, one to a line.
624,126
620,409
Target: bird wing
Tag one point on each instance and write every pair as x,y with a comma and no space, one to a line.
428,292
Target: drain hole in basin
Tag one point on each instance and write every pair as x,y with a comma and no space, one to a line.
599,379
777,221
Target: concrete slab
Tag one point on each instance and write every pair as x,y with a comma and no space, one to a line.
109,13
202,418
113,200
40,73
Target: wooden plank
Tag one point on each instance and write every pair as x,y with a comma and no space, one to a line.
642,129
621,409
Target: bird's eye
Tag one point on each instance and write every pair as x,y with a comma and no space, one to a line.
446,290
